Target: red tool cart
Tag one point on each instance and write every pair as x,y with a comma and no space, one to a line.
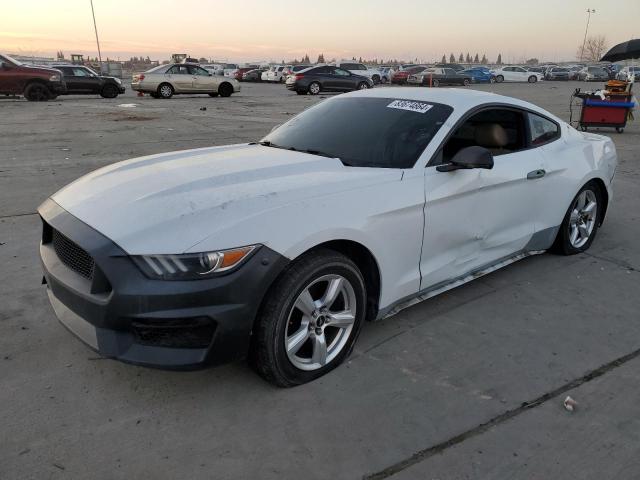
613,111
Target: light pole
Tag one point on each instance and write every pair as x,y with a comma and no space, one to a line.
97,41
589,12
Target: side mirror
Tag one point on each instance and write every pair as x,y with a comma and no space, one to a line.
467,158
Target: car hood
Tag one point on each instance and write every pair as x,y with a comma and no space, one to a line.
169,203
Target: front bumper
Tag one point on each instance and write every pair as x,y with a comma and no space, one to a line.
122,314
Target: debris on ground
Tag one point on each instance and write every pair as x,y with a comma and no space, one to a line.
203,109
570,404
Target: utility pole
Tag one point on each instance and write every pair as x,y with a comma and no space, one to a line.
589,12
97,40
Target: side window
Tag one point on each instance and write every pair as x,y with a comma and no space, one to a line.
499,130
339,71
541,130
80,72
199,71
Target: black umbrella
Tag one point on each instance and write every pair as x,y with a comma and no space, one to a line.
623,51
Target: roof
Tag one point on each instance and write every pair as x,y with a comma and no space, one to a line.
458,98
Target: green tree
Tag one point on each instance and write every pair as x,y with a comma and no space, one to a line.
499,61
460,58
484,60
452,59
444,59
476,59
321,58
468,58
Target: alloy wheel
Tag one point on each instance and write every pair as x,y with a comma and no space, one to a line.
320,322
166,91
314,88
583,218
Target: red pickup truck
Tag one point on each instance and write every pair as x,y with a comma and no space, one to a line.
34,83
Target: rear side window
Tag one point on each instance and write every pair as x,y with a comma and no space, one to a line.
542,130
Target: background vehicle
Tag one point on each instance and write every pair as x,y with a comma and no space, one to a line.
278,73
386,74
361,69
401,76
82,80
557,73
228,69
215,68
593,74
456,66
254,75
239,73
512,73
294,69
439,76
34,83
166,80
326,78
479,75
628,72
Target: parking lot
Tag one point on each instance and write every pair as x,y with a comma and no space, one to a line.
467,385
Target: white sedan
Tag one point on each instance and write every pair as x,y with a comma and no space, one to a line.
282,249
516,74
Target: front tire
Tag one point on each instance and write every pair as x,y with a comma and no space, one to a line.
109,91
581,222
363,86
466,82
310,319
532,79
225,90
37,92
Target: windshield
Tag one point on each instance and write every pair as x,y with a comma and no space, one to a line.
12,60
363,132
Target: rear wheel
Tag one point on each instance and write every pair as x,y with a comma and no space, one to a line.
499,79
310,320
37,92
109,91
435,82
532,79
466,82
314,88
225,90
581,221
165,90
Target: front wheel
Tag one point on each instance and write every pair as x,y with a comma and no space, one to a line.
466,82
363,86
435,83
532,79
581,221
310,319
499,79
109,91
225,90
37,92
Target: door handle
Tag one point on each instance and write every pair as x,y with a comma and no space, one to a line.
535,174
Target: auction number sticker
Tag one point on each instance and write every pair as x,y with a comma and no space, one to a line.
411,106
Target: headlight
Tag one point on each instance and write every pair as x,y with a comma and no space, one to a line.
192,266
54,78
118,81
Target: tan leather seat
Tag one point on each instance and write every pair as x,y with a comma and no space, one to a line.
492,137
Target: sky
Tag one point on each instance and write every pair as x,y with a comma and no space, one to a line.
275,30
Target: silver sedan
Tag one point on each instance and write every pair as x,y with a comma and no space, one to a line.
172,79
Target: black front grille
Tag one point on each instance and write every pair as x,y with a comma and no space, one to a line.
174,333
72,255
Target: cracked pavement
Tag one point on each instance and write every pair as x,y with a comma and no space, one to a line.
467,385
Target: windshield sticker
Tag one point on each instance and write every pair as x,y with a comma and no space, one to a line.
411,106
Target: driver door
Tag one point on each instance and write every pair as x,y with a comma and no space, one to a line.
203,81
477,218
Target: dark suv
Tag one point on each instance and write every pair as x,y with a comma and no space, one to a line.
82,80
35,83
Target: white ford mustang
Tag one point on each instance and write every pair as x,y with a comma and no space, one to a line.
280,250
